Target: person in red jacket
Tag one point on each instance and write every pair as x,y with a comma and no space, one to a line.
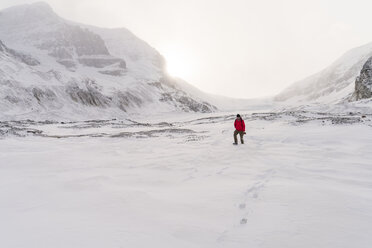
239,129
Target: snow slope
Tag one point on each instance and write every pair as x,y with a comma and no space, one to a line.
81,72
332,85
302,179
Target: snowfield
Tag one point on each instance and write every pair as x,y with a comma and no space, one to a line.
149,169
303,179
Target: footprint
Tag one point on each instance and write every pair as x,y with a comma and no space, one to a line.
222,170
242,205
253,192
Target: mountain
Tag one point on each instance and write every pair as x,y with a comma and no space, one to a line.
54,68
334,84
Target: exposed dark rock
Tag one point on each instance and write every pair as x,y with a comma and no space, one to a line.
27,59
2,46
166,97
122,64
70,42
12,99
69,64
61,53
42,95
187,103
195,106
174,94
154,133
157,85
90,96
55,74
363,83
24,58
116,73
124,100
71,38
101,62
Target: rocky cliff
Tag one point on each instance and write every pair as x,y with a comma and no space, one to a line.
363,83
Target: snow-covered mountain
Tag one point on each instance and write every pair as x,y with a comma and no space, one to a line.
334,84
54,68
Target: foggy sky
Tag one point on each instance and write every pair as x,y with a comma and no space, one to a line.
238,48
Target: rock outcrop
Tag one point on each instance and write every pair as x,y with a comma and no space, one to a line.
363,83
24,58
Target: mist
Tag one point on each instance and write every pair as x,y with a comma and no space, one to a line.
238,48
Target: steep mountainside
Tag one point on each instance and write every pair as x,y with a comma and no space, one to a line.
54,68
334,84
363,83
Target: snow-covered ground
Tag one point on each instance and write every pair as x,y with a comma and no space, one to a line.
301,180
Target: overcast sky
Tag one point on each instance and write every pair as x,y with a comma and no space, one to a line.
238,48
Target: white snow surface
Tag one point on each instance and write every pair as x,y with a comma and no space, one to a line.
301,179
142,173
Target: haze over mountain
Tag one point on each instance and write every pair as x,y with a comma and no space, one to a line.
55,68
52,67
335,84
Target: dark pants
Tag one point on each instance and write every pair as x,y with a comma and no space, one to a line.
241,133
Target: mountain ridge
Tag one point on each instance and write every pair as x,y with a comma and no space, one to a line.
81,71
332,85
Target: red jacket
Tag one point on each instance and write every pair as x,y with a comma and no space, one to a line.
239,125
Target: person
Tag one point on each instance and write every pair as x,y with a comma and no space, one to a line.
239,129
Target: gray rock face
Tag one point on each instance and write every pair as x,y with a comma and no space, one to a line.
42,95
2,46
363,83
73,45
126,100
89,96
186,103
69,64
70,39
116,73
101,62
27,59
24,58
